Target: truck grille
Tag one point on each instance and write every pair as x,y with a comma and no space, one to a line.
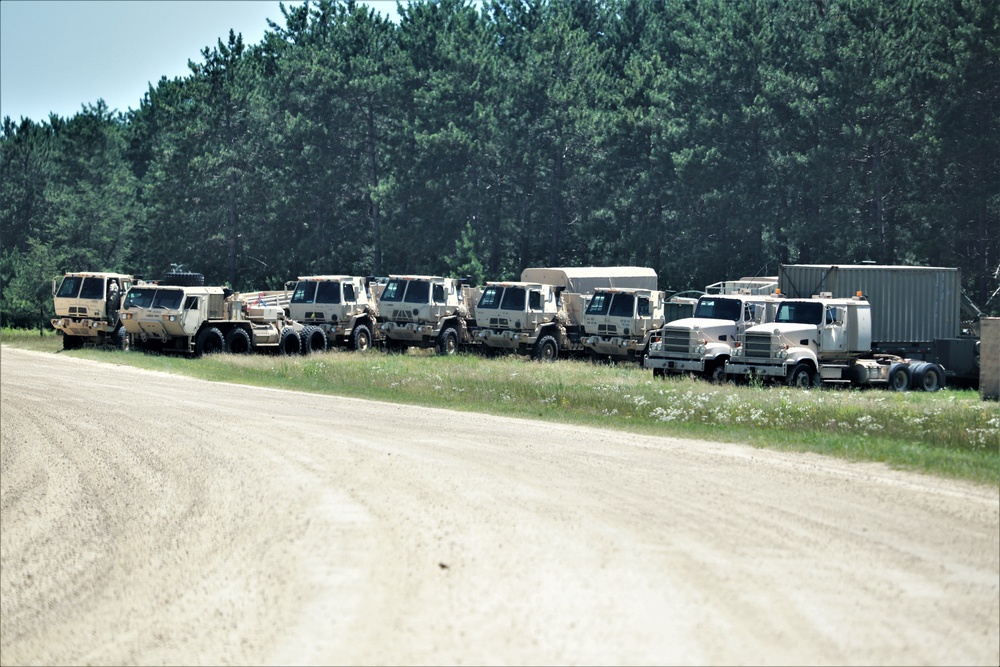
757,346
677,340
499,322
401,315
607,329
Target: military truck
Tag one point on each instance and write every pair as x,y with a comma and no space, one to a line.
703,343
901,327
542,315
335,310
427,312
87,305
201,320
620,322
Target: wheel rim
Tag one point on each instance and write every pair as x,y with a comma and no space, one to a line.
363,341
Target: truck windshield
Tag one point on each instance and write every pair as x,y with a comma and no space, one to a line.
328,292
490,298
800,312
139,297
599,304
712,308
393,291
418,291
623,306
513,299
305,292
93,288
168,298
70,287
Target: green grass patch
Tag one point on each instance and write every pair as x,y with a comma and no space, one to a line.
950,433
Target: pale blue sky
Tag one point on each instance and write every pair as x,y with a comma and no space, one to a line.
56,55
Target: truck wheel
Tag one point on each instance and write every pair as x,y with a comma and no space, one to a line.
289,343
121,338
209,341
899,377
716,372
72,342
928,377
314,339
801,376
362,339
447,344
238,341
546,349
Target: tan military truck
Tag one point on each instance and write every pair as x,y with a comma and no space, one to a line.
87,304
201,320
427,312
542,315
620,322
335,310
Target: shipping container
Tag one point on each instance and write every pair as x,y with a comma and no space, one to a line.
910,304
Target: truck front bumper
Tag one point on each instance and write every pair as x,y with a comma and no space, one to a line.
508,340
764,368
674,364
82,328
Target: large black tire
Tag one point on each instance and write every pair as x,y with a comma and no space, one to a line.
238,341
715,372
447,343
209,341
290,343
899,377
361,339
120,339
802,376
314,339
72,342
546,349
927,377
183,279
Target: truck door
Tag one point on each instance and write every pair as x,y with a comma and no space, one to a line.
834,336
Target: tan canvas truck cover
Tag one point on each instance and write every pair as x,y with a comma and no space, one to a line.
586,279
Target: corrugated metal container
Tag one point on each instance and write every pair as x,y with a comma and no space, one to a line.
910,304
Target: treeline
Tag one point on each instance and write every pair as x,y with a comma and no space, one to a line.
707,139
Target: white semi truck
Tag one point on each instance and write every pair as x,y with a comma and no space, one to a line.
827,340
427,312
703,343
87,304
542,315
335,310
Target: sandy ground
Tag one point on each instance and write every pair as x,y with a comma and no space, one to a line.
155,519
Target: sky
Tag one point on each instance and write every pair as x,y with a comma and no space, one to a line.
58,55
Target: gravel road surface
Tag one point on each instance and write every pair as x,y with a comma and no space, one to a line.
155,519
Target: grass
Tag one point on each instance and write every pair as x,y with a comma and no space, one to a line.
950,433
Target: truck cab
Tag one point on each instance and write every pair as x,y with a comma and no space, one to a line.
339,306
619,322
704,342
425,312
524,317
87,306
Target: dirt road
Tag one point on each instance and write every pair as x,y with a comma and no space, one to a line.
155,519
